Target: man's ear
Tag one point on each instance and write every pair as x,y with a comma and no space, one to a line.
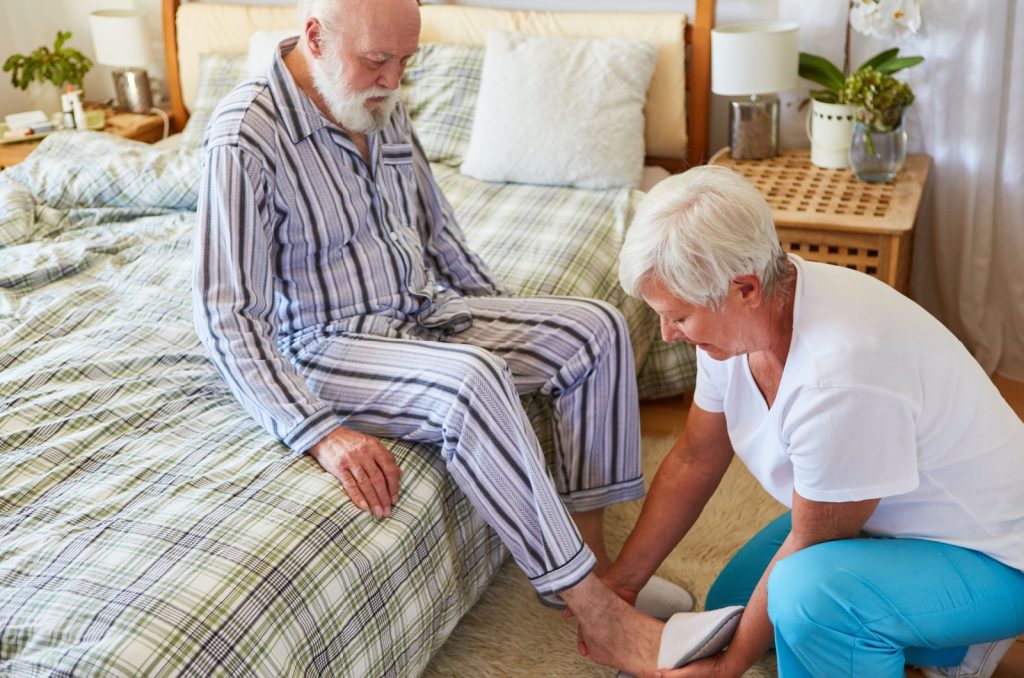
749,288
314,36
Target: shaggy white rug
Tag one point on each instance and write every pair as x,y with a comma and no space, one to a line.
509,633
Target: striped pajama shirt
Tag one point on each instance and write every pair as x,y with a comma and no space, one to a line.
331,293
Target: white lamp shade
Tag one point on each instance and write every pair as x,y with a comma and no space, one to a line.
754,58
119,37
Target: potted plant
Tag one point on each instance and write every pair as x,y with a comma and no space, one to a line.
879,145
833,81
44,67
830,125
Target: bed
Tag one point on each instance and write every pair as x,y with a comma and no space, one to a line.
148,526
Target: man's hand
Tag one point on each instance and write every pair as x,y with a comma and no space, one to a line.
366,469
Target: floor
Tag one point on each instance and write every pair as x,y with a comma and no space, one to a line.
664,417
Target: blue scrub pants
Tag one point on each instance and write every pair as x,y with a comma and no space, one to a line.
866,607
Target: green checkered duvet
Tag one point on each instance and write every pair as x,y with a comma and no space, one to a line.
147,525
552,240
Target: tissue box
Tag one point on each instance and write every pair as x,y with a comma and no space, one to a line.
25,120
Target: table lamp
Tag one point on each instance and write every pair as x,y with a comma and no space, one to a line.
120,40
752,60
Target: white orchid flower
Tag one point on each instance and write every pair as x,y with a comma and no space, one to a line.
886,19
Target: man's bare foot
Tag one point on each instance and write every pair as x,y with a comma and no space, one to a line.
614,632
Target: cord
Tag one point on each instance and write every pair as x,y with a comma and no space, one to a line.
166,118
718,154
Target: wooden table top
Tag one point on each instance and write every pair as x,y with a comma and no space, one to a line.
802,194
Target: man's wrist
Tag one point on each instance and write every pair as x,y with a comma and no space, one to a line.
314,449
312,430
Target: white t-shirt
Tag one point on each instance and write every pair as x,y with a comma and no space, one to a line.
879,400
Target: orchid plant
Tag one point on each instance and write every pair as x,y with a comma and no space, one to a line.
885,19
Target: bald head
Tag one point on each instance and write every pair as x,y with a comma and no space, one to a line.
356,51
340,18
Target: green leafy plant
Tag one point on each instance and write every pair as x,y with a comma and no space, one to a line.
834,81
879,98
59,65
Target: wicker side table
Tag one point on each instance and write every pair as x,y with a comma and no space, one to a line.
831,216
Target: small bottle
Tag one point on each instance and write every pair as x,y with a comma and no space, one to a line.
67,110
78,111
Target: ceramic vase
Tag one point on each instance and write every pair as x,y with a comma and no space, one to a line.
830,130
44,96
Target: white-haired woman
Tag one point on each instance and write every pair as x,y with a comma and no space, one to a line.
901,463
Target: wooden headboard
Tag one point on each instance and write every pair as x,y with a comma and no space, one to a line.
697,38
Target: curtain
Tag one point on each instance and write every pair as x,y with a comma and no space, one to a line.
968,263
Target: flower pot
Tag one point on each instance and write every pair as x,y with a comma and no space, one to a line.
878,156
44,96
830,129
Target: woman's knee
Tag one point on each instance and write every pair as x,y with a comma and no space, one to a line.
807,590
785,589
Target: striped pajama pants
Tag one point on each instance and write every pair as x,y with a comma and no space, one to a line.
462,393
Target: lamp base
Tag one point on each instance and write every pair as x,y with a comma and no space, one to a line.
132,87
754,128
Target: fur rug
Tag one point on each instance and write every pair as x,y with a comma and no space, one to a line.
509,633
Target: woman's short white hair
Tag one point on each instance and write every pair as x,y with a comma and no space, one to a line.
696,232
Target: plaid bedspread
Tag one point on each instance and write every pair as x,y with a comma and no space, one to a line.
556,240
147,525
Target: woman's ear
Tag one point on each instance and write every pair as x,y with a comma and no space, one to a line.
749,288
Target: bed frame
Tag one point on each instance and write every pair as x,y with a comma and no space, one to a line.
698,81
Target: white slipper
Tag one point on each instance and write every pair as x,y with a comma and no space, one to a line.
659,598
981,661
689,636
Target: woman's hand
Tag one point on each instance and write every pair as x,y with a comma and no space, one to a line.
623,590
366,469
712,667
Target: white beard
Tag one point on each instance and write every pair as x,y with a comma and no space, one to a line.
347,106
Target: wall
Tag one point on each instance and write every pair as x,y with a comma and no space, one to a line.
727,12
26,24
11,99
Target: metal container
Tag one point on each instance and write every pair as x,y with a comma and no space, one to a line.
754,128
133,93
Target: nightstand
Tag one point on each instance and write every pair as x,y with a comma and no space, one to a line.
831,216
148,128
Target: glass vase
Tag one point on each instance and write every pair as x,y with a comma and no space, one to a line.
877,157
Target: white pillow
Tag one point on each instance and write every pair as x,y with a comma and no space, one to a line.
560,111
261,50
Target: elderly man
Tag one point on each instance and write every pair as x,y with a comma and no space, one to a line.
336,296
854,407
